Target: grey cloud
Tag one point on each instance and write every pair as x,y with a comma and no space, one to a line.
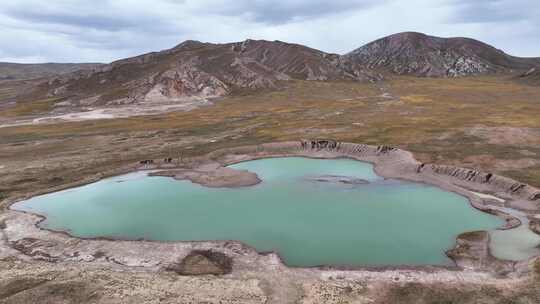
98,20
87,21
83,28
283,11
493,11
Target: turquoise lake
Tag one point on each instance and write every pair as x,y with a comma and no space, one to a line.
309,223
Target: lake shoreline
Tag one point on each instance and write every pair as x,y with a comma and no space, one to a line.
387,162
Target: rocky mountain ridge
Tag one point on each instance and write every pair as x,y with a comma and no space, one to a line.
418,54
195,70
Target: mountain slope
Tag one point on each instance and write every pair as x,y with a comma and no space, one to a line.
532,76
294,60
412,53
195,70
19,71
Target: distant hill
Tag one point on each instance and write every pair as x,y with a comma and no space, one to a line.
18,71
195,70
412,53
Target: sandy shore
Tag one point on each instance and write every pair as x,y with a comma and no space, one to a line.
21,237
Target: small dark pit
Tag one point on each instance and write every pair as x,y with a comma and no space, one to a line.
98,254
203,262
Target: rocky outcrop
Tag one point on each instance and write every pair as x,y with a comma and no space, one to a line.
320,144
181,82
531,77
495,182
347,148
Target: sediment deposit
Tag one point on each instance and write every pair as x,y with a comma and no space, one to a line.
213,175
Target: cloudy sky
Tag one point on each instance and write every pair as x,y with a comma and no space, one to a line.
106,30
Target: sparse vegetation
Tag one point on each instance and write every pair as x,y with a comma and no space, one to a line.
536,267
30,108
431,117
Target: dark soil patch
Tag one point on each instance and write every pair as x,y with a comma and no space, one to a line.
201,262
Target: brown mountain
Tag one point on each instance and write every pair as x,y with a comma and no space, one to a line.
18,71
412,53
196,70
